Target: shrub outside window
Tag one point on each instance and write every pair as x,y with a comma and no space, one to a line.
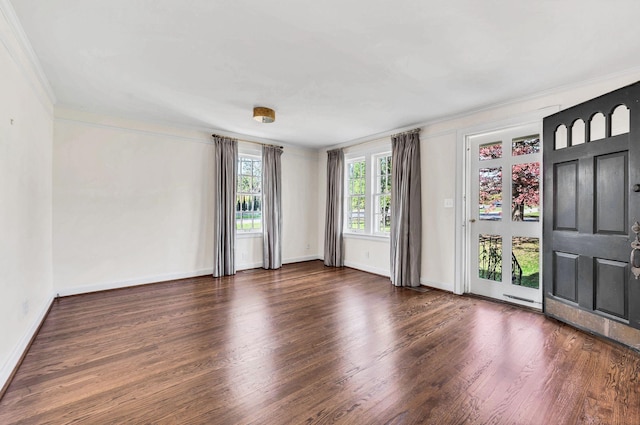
249,195
356,195
368,193
382,195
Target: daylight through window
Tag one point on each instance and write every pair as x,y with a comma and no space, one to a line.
249,195
368,194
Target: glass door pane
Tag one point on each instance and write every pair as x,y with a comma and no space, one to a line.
505,226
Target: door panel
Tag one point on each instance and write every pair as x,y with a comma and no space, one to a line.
590,206
565,214
611,284
611,177
566,275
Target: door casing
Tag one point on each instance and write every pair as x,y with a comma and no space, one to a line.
462,216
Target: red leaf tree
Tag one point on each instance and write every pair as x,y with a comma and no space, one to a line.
525,180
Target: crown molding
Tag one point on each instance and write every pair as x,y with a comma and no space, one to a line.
26,49
626,74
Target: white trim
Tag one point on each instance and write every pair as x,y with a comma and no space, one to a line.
20,348
206,139
249,149
461,206
488,107
437,285
377,145
369,155
378,237
86,289
63,292
24,45
367,268
249,266
167,128
301,259
242,234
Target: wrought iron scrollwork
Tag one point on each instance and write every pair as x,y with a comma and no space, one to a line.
634,261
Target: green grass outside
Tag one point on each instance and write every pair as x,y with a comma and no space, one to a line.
526,251
528,254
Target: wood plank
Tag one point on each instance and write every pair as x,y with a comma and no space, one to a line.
311,344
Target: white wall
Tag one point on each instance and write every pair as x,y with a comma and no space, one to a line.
300,212
132,204
26,122
438,161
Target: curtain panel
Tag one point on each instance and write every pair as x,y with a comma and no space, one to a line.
406,210
225,175
333,245
271,207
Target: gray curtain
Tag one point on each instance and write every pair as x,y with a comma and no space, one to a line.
333,250
406,210
225,177
271,207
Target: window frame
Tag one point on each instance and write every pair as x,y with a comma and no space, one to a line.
370,157
252,155
349,195
378,193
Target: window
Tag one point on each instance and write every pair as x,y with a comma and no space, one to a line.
382,195
368,194
356,200
249,194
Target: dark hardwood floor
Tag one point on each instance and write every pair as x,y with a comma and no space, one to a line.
308,344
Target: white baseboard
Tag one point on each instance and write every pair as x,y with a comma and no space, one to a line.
437,285
258,265
248,266
301,259
22,345
367,268
63,292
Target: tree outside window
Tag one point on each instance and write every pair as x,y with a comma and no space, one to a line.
249,195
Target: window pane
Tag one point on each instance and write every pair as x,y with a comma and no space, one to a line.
490,257
359,186
525,262
249,199
490,151
246,167
382,217
256,185
525,202
525,145
490,194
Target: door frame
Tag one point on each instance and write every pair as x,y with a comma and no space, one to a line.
462,205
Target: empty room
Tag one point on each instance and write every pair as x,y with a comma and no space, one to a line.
296,212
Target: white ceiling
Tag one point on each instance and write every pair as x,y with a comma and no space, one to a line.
334,70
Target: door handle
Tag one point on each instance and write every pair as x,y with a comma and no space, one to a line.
634,260
473,220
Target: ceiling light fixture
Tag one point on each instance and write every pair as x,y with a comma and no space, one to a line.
264,115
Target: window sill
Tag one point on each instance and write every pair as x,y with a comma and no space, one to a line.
377,238
248,235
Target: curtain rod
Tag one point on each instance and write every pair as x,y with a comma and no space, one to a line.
414,131
387,135
248,141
